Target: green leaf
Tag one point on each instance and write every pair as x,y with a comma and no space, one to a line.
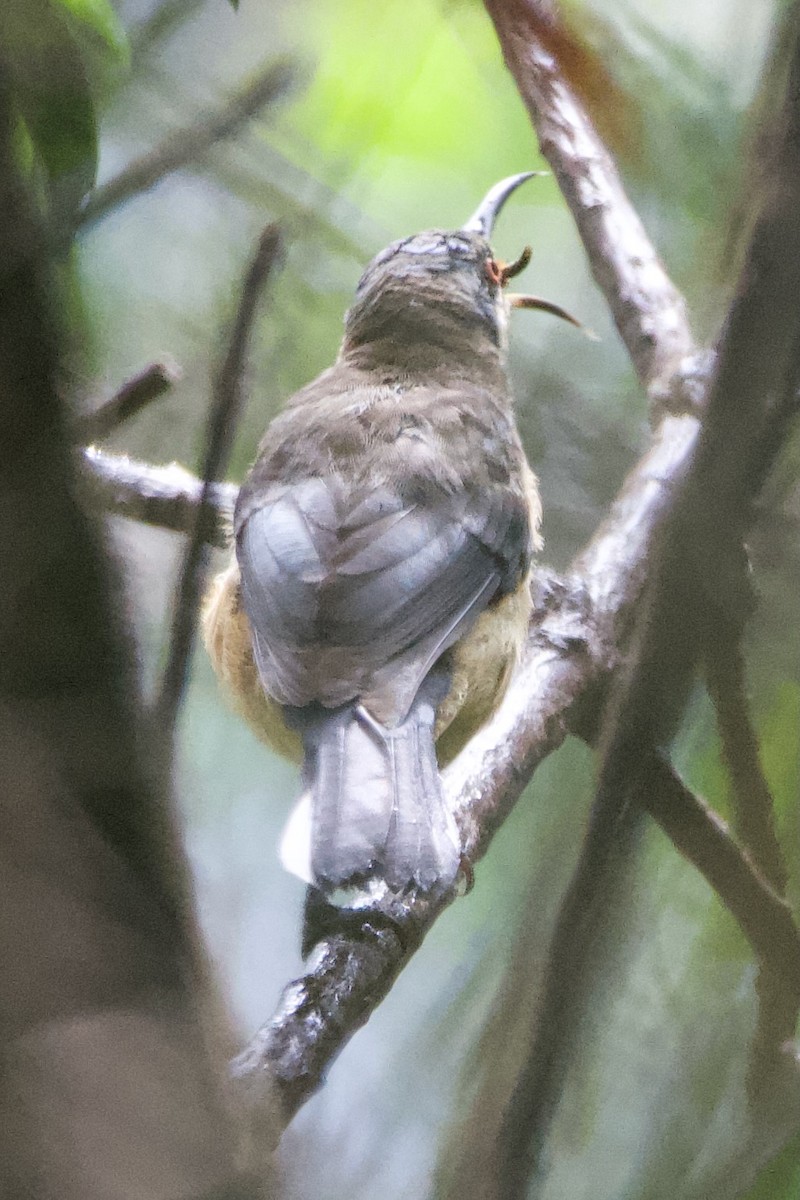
234,5
53,97
96,25
60,118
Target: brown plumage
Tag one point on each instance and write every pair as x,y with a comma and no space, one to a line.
379,593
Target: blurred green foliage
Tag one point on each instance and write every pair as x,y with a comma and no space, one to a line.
405,117
63,56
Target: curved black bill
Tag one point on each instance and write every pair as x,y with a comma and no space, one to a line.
485,215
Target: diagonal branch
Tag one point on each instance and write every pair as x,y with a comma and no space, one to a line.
703,838
573,647
134,395
649,311
754,820
186,146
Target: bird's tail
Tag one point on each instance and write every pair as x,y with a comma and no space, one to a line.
374,806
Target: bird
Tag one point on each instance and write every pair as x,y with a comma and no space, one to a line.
378,594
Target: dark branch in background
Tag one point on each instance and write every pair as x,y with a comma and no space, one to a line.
754,822
134,395
160,24
753,816
186,146
222,422
703,838
261,175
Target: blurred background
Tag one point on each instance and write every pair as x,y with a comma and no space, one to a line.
400,118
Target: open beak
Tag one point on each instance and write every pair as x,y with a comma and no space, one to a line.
482,221
517,300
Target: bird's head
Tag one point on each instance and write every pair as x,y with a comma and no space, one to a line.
442,289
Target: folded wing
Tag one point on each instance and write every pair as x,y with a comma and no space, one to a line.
357,595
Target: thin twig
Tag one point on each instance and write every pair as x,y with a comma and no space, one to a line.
750,793
649,311
222,423
134,395
160,25
186,146
759,908
754,822
703,838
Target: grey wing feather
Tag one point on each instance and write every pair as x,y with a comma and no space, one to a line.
338,587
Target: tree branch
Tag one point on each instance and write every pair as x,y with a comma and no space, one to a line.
751,797
108,1085
778,1001
703,839
222,423
186,146
165,497
134,395
649,311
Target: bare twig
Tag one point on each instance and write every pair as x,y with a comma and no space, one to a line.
703,839
752,800
186,146
161,23
261,175
778,1003
165,497
649,311
219,438
134,395
753,900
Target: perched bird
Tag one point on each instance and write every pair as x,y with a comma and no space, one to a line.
379,596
